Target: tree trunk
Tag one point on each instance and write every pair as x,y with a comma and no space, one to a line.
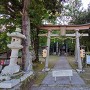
26,56
36,45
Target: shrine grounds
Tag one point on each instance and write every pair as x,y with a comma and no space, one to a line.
84,75
39,75
36,80
52,60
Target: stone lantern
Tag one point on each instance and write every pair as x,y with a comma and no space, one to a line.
15,46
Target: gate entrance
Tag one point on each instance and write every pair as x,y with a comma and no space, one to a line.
63,29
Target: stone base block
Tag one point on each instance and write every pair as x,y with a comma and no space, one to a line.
80,71
4,77
27,74
46,69
10,69
9,83
14,82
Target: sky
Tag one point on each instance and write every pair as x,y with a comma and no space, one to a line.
85,3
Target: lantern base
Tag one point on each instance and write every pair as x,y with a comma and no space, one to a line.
10,69
46,69
80,71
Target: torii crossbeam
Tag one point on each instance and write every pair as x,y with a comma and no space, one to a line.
66,27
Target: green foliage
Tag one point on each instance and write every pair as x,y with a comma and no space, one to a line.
80,16
44,10
42,41
30,48
11,9
53,6
37,12
71,44
4,40
83,18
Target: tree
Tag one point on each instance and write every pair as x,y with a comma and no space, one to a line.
38,12
26,31
24,12
83,18
70,11
18,9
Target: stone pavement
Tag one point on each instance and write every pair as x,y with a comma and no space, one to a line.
62,83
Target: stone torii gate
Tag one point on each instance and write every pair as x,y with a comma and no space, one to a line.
63,29
70,36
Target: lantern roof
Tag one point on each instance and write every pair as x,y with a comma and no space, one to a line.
16,34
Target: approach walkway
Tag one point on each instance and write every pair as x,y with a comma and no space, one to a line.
62,83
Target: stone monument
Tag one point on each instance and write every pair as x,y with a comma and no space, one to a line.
15,46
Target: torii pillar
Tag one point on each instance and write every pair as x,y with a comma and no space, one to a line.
78,51
48,48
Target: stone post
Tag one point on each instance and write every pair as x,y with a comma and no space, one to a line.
48,48
76,53
78,50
